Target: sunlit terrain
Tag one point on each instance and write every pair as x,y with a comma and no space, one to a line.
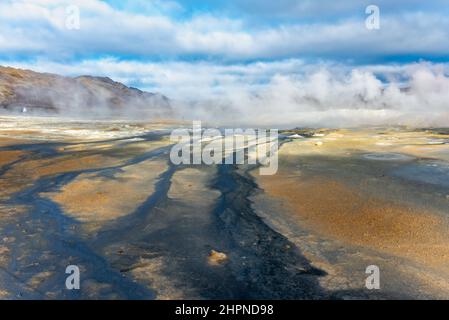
105,196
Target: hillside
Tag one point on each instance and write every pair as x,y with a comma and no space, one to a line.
44,93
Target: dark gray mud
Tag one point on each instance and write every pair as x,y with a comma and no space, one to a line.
46,241
262,264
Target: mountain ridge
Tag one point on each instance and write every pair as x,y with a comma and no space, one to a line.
33,92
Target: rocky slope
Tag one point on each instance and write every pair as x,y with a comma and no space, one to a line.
44,93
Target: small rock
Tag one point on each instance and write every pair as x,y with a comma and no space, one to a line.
3,250
215,258
296,136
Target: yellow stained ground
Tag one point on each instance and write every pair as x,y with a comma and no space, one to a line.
337,210
345,142
96,199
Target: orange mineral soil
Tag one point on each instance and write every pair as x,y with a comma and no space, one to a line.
7,157
335,210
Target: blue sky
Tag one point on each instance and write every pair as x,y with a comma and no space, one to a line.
225,31
176,46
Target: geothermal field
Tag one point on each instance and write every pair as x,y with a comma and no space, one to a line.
103,195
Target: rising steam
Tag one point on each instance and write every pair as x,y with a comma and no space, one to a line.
418,97
276,94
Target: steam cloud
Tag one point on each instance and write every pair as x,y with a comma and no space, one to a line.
418,97
275,94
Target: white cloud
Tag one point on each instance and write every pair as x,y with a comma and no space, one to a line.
37,28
